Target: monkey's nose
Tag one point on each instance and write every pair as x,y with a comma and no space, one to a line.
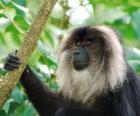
80,59
76,53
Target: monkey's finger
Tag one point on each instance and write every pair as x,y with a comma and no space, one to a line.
14,56
13,59
10,60
10,66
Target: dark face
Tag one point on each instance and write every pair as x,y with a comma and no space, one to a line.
80,57
84,48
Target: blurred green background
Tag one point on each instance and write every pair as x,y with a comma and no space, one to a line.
16,16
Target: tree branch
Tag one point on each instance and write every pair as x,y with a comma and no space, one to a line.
31,38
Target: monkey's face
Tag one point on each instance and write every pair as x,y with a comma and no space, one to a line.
91,62
84,48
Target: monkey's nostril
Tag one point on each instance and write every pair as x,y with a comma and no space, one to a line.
76,53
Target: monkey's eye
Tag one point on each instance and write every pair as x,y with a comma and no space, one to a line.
88,43
78,43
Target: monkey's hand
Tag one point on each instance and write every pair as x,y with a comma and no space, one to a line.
12,62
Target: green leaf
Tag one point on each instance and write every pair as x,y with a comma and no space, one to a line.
21,22
49,62
133,54
136,65
13,107
12,28
2,41
35,57
129,33
136,22
17,95
21,10
20,2
16,38
48,36
2,113
47,58
29,111
6,106
2,72
2,15
9,10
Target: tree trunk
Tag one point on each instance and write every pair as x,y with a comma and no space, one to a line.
31,38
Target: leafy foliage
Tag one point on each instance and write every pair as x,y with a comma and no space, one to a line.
15,18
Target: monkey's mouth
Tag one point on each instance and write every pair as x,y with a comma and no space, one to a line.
80,65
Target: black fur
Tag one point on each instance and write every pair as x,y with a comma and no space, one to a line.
124,101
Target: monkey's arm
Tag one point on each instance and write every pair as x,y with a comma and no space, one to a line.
42,98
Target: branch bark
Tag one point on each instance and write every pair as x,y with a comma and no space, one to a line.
31,38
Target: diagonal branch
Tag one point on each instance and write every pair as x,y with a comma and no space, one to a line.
31,38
